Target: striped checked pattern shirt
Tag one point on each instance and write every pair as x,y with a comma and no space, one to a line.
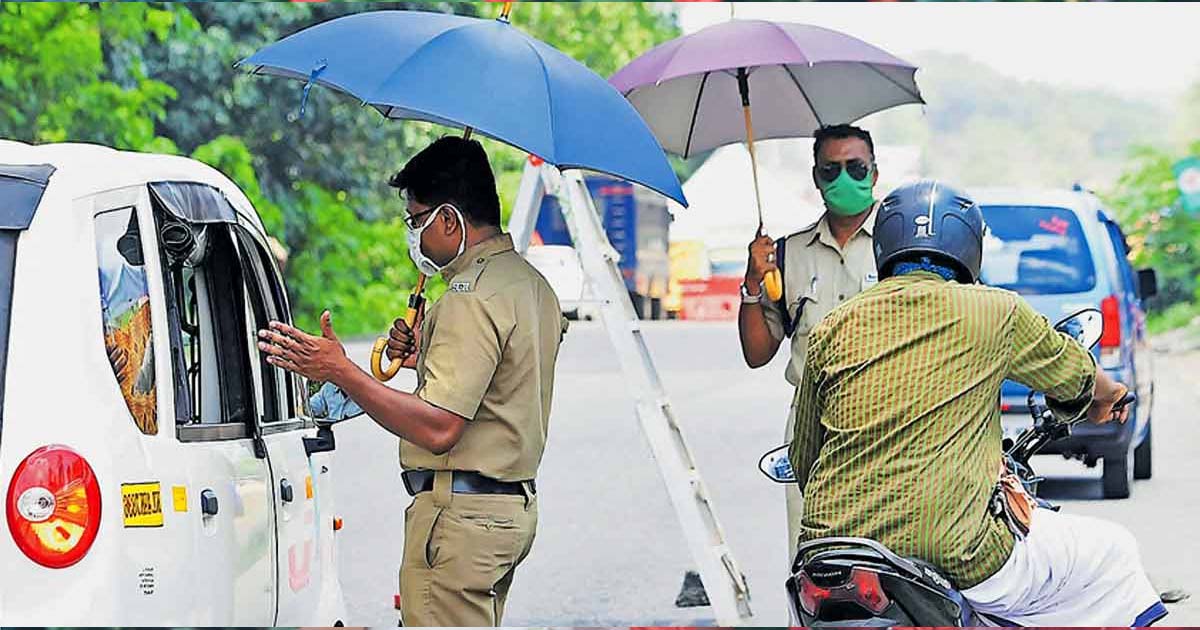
898,427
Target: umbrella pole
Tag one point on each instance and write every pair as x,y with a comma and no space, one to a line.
415,299
772,282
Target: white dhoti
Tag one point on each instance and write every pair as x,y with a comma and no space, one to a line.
1071,570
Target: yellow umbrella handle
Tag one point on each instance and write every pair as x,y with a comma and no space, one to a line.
773,285
773,281
410,317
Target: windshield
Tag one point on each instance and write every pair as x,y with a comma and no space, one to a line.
1036,250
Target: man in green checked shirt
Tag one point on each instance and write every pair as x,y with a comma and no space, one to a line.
898,434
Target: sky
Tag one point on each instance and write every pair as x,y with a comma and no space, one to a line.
1137,50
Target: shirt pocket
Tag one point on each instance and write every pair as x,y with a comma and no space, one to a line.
804,311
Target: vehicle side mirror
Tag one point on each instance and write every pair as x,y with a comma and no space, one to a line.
324,441
330,405
1147,283
1086,327
776,465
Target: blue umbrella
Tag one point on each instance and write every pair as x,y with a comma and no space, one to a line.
479,74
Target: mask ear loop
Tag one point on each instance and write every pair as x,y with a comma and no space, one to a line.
462,221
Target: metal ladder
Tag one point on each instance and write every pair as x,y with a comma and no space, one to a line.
724,582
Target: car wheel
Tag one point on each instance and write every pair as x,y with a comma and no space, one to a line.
1142,459
1117,477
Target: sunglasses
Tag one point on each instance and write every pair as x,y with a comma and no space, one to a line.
857,169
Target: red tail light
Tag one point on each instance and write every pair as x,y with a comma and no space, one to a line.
1110,309
863,588
811,595
868,591
53,506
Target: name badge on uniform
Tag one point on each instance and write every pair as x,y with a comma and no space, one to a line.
460,287
870,280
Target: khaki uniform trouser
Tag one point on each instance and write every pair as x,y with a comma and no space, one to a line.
460,552
795,502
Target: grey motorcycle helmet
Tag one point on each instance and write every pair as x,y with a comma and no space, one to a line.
931,219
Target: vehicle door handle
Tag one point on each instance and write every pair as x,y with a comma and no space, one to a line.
285,491
208,503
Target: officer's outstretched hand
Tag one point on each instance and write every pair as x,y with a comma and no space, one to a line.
402,340
316,358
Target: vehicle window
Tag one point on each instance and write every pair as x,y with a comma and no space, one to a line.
8,260
125,311
208,319
21,189
1124,278
271,383
1036,250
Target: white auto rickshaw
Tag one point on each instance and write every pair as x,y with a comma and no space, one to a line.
155,469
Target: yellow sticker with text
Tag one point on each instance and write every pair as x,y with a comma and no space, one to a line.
143,504
179,497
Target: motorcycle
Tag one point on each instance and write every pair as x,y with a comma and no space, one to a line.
858,582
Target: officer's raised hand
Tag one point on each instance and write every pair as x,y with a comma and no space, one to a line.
320,358
761,261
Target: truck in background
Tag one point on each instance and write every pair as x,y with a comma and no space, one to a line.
637,224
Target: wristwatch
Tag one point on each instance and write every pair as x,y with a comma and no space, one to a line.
751,299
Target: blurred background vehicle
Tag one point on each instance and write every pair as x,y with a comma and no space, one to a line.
637,223
1063,252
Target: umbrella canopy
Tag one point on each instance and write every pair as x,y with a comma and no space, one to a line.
482,74
800,78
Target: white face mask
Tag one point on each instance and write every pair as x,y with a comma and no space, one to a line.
424,264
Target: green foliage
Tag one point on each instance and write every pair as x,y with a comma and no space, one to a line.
229,155
1179,315
54,70
1161,235
356,269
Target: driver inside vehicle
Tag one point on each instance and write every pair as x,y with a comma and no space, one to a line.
898,435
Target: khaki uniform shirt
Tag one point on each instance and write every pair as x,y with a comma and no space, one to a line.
898,432
487,353
818,275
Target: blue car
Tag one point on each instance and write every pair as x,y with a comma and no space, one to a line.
1063,252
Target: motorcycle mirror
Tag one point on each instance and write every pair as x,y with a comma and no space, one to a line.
776,465
1086,327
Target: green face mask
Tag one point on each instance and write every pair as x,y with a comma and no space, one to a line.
846,196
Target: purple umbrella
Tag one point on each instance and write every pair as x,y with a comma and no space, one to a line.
802,77
694,91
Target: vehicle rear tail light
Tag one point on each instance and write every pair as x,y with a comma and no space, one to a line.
868,591
1110,339
863,588
53,506
811,595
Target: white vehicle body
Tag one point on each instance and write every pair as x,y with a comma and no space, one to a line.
195,527
561,267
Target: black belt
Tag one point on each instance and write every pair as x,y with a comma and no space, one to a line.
465,482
